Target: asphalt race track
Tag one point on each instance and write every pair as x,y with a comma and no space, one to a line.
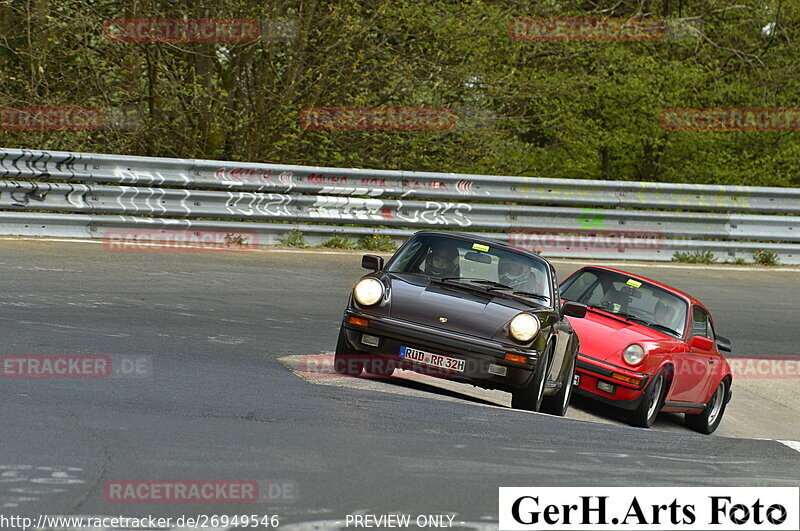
210,399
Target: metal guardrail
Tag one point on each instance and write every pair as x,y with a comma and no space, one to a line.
132,200
16,164
560,217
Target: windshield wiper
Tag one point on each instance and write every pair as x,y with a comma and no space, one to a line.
476,280
455,281
645,322
601,308
492,283
665,328
531,294
633,318
621,315
498,286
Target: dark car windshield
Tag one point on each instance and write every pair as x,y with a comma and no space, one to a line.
475,263
632,299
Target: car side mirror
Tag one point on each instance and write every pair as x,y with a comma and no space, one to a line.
371,261
723,344
700,342
574,309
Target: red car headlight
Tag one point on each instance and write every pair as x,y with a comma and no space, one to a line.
633,354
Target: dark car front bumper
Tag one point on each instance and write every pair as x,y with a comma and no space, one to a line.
479,354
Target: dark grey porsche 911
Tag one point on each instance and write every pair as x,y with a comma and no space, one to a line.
472,309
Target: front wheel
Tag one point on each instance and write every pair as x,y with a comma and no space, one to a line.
530,397
708,421
345,360
558,404
645,415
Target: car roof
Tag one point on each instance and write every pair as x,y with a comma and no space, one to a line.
480,239
667,287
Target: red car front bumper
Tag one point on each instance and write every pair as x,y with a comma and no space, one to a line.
611,384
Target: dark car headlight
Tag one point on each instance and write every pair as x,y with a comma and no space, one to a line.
368,291
523,327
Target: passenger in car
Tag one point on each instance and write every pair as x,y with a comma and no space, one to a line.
517,274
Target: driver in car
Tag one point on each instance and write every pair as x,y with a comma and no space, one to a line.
442,261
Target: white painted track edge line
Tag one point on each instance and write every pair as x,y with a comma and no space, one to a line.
794,445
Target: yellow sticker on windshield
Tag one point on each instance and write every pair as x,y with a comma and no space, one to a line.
634,283
480,247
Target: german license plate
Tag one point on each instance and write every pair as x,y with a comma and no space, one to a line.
432,360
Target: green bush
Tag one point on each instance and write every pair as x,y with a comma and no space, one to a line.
765,257
696,257
339,242
294,239
376,242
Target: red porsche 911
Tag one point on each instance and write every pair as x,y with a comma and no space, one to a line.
647,347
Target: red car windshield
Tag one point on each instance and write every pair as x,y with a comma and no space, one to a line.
627,297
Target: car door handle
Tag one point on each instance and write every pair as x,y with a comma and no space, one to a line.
712,360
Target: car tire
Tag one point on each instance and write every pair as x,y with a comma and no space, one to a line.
346,361
708,421
558,404
653,399
379,367
530,397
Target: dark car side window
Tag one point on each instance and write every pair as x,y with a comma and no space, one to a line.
701,325
412,256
